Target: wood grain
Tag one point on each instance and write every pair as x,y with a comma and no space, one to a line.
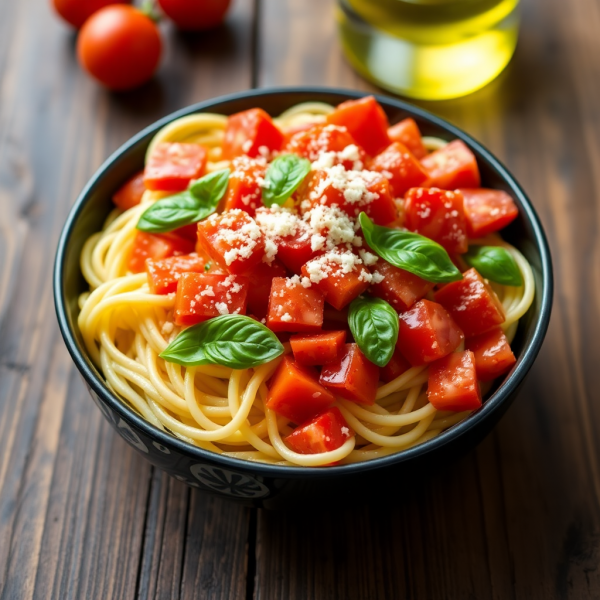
82,516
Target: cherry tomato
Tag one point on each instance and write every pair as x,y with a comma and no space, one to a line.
76,12
196,14
119,46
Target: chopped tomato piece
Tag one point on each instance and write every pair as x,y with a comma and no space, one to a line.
352,191
317,349
243,190
399,288
164,274
200,297
487,211
453,166
427,333
293,307
339,283
407,132
171,167
233,240
493,355
319,139
352,376
259,291
452,383
131,192
156,246
365,120
399,166
326,432
439,215
294,251
472,303
295,392
396,367
251,132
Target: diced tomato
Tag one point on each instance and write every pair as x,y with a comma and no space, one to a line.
452,383
493,355
156,246
295,392
317,349
131,192
365,120
243,190
396,367
338,287
487,211
453,166
171,167
233,240
293,307
407,132
164,274
294,251
321,138
397,164
439,215
399,288
472,303
326,432
203,296
251,132
353,192
427,333
352,376
259,292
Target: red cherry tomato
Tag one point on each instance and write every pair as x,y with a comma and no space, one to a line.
119,46
199,14
76,12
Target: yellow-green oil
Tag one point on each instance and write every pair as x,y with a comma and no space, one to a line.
429,49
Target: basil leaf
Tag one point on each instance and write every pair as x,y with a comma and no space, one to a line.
234,341
374,325
283,177
210,188
170,213
494,263
198,202
410,251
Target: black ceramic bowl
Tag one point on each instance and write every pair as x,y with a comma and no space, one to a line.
275,486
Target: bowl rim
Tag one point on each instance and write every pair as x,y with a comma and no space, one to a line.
492,405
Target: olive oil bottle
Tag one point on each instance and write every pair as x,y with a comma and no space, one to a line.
429,49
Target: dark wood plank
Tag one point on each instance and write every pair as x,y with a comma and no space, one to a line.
520,516
81,514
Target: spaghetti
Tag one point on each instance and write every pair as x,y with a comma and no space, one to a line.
126,327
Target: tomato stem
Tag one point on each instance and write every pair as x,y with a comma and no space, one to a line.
149,8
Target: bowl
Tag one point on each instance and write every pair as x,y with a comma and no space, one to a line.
272,486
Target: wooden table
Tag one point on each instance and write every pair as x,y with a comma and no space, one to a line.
83,516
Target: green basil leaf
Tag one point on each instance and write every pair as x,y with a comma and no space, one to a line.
410,251
198,202
494,263
374,325
210,188
234,341
283,177
170,213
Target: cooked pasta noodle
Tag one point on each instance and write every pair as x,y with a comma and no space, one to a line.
125,327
